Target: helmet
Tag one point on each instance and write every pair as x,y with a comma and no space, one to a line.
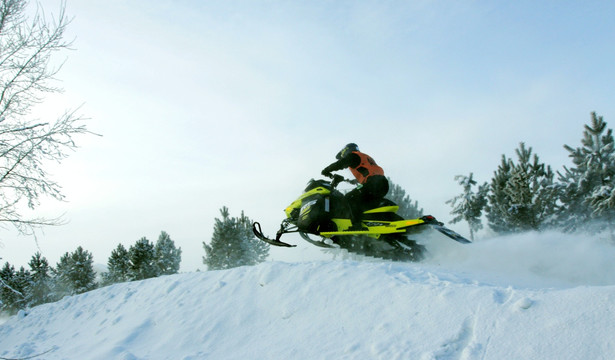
347,150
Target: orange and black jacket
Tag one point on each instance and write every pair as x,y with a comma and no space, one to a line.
361,165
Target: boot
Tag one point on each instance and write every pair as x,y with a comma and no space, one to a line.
356,226
356,213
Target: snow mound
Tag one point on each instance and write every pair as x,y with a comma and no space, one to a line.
319,310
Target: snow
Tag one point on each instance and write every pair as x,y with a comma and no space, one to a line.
529,296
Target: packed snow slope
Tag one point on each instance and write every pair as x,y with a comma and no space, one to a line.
524,297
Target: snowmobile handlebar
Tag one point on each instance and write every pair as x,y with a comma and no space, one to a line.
337,179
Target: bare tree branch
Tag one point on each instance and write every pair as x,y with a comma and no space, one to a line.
26,145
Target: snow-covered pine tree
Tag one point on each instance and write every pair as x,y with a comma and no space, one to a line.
532,192
469,205
13,289
40,288
255,251
587,188
75,272
168,257
224,251
233,244
497,198
142,258
522,195
407,208
23,280
118,266
7,293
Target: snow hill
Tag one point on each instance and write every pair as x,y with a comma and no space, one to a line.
523,297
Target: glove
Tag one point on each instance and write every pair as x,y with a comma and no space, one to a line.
327,173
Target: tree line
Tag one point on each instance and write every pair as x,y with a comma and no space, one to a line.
525,194
233,244
74,273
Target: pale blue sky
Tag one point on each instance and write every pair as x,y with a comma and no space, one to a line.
204,104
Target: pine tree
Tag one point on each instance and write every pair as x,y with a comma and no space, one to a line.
233,244
13,289
40,290
498,202
588,187
118,266
7,293
142,260
522,195
255,251
75,272
22,283
168,257
407,208
469,205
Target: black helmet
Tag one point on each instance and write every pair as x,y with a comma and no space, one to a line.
347,150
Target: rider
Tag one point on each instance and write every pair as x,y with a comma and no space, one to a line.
374,185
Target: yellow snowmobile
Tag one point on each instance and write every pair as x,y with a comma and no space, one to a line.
323,211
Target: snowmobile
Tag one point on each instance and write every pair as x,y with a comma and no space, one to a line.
323,211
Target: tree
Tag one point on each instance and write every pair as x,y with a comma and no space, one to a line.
75,272
407,208
497,198
256,251
118,266
40,288
168,257
233,244
13,286
588,187
142,260
469,205
26,49
522,195
8,295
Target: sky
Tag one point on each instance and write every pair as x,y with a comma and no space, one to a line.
205,104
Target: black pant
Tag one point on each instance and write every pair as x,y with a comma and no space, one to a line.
367,197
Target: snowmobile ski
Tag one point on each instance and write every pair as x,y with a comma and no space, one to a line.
256,229
451,234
